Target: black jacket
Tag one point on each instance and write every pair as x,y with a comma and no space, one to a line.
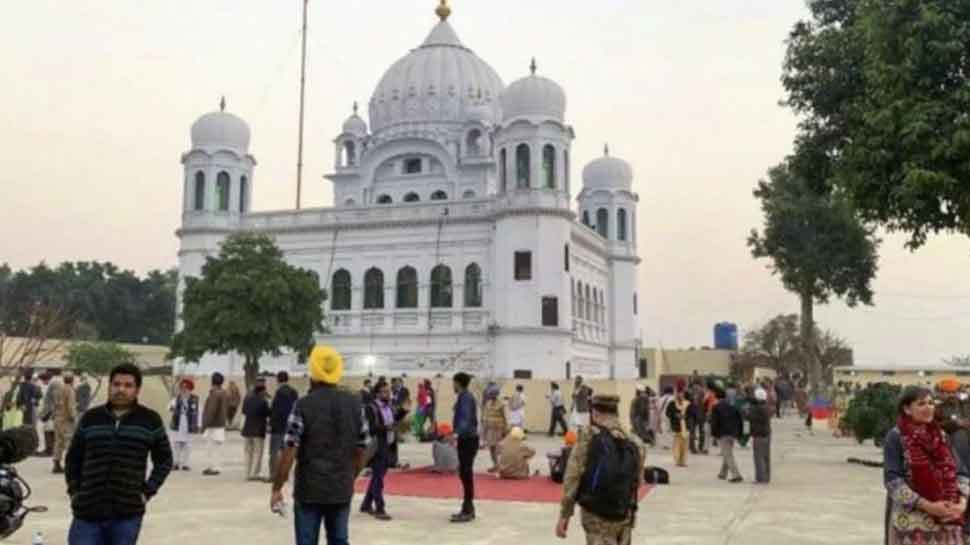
256,410
759,415
726,420
106,464
283,403
331,423
376,427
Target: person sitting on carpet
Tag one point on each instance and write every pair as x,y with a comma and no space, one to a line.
444,454
514,456
559,459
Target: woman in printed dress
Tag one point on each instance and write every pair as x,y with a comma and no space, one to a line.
926,485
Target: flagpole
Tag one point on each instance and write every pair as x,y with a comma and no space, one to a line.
299,157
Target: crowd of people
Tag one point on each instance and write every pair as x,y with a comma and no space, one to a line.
327,437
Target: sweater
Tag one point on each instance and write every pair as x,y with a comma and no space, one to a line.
282,406
256,410
216,411
106,465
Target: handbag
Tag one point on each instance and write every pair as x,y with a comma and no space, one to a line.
13,418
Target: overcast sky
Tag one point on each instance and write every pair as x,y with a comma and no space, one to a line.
98,95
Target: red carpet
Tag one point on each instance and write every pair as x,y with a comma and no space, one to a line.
421,483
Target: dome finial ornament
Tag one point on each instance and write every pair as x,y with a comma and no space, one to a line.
443,11
532,66
222,104
355,107
606,150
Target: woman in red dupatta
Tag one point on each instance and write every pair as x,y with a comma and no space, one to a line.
927,488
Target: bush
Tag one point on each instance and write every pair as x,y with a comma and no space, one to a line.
872,412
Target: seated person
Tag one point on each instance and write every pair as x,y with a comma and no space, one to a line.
445,456
514,456
559,459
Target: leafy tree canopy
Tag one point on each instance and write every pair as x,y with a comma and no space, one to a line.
884,90
249,301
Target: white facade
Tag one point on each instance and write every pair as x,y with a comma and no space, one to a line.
452,243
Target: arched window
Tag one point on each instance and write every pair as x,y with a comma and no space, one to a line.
565,258
412,197
522,166
603,223
503,171
243,183
374,288
589,304
407,288
473,286
473,143
549,166
565,167
586,218
199,191
350,154
222,191
580,301
340,288
469,194
596,306
441,287
439,196
384,199
621,224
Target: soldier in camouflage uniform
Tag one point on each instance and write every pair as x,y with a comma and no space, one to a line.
65,419
599,531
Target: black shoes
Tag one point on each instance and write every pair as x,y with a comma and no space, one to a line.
210,473
736,480
463,517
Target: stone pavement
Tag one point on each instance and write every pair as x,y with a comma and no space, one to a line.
815,497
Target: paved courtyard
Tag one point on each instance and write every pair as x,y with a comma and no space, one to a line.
815,497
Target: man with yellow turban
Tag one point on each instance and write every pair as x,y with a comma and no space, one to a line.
326,438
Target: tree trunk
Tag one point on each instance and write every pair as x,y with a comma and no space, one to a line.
809,344
251,368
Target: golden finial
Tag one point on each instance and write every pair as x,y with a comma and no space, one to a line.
443,11
533,66
606,150
222,104
355,107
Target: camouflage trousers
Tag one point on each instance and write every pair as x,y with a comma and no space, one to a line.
600,531
63,432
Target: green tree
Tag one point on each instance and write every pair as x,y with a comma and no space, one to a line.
884,91
818,247
251,302
97,360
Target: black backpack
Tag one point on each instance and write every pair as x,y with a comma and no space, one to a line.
608,487
656,475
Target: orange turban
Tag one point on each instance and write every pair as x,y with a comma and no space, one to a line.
570,438
948,385
444,429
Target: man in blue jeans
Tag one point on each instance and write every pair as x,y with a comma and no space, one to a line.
326,437
106,464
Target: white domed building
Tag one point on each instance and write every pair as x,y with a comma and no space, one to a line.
453,242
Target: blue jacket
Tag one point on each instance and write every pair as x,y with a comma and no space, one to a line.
465,422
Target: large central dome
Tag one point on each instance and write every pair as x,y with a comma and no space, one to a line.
440,81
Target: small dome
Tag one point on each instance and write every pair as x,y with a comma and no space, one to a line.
534,96
608,173
355,124
220,130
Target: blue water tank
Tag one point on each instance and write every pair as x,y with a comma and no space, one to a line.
726,336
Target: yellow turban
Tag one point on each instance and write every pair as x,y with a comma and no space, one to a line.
517,433
326,365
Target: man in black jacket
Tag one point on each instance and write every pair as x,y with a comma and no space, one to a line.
107,462
256,410
759,416
282,406
726,425
326,437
